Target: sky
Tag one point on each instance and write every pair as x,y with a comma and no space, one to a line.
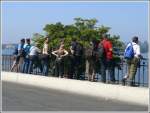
23,19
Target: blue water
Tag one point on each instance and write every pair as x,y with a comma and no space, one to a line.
7,51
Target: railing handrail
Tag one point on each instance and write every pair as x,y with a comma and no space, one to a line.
142,66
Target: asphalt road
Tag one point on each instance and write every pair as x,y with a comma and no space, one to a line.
18,97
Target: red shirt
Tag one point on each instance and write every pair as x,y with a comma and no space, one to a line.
108,48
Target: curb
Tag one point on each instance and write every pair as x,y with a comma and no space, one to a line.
136,95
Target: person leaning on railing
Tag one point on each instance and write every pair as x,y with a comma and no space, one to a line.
33,57
60,54
26,48
45,57
105,51
133,59
18,54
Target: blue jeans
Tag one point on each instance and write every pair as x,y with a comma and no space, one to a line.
33,60
103,70
26,65
45,67
45,70
111,70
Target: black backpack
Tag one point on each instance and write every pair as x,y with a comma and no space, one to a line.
101,51
15,51
78,50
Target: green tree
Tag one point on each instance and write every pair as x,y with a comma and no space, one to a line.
84,30
38,38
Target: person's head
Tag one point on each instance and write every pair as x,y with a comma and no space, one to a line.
28,40
62,41
135,39
105,36
94,41
61,46
22,41
46,39
74,40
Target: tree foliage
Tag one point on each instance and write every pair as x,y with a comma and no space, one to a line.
84,30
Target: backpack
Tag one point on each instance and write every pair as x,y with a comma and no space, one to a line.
129,52
88,52
78,50
27,50
101,51
15,51
22,52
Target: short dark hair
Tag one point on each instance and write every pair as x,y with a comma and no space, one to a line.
74,39
22,40
28,39
46,37
105,35
135,39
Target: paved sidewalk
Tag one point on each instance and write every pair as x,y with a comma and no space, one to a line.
18,97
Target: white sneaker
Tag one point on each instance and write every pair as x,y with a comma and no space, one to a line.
126,76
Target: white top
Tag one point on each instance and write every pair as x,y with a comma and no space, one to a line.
136,49
34,50
24,46
20,46
45,48
56,53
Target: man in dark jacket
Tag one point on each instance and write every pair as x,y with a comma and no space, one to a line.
77,52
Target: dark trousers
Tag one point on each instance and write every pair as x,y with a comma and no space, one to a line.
71,67
33,60
107,64
103,70
74,70
111,69
77,66
59,69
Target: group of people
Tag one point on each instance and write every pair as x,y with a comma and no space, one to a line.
98,54
27,55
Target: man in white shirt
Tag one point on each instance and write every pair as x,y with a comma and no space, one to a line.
33,56
133,63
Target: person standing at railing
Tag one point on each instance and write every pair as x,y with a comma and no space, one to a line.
72,57
45,57
132,55
33,57
26,48
91,60
19,53
60,54
105,51
76,49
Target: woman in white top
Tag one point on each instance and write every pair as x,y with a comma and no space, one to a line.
45,47
45,57
60,54
134,62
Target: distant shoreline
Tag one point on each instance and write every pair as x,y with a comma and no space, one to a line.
8,49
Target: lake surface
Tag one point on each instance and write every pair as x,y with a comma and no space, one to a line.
7,51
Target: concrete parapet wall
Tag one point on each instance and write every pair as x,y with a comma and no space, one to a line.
137,95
